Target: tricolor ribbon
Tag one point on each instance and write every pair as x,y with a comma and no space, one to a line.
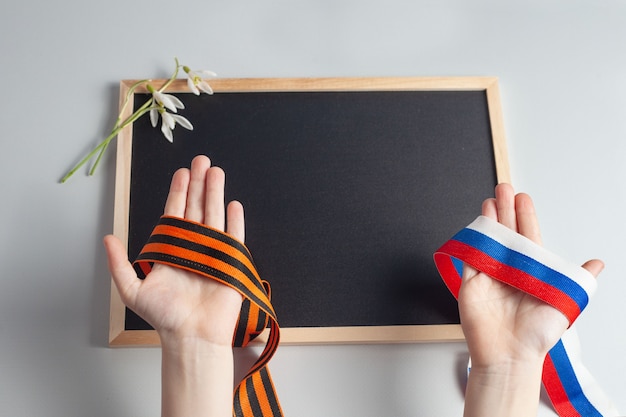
507,256
216,255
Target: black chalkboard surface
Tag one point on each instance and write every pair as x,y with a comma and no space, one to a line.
349,186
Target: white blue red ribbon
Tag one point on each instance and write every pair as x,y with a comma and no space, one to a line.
507,256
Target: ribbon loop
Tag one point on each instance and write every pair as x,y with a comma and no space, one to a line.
514,259
509,257
192,246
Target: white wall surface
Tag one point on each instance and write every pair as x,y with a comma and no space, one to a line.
562,71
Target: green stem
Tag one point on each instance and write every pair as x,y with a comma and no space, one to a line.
82,162
135,116
129,94
102,146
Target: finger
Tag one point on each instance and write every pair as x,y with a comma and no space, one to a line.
595,266
489,208
122,271
505,205
235,225
527,223
196,193
214,198
177,197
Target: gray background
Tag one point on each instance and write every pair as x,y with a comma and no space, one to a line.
562,71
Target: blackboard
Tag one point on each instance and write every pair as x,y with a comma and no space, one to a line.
349,186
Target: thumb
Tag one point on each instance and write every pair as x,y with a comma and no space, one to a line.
595,266
122,271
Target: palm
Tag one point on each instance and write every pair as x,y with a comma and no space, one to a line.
176,301
499,318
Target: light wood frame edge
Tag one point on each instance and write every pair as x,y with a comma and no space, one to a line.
118,336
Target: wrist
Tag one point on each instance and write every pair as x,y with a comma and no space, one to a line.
509,388
197,378
505,355
510,364
188,348
508,374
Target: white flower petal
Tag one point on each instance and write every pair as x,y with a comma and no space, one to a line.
158,97
154,117
161,99
192,86
168,120
170,102
205,87
182,121
167,132
179,104
206,73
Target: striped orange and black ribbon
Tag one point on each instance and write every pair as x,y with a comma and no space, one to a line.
214,254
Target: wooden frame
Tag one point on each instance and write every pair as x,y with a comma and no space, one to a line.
118,336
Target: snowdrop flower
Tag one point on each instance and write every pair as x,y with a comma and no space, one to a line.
169,101
158,104
169,122
196,80
162,102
